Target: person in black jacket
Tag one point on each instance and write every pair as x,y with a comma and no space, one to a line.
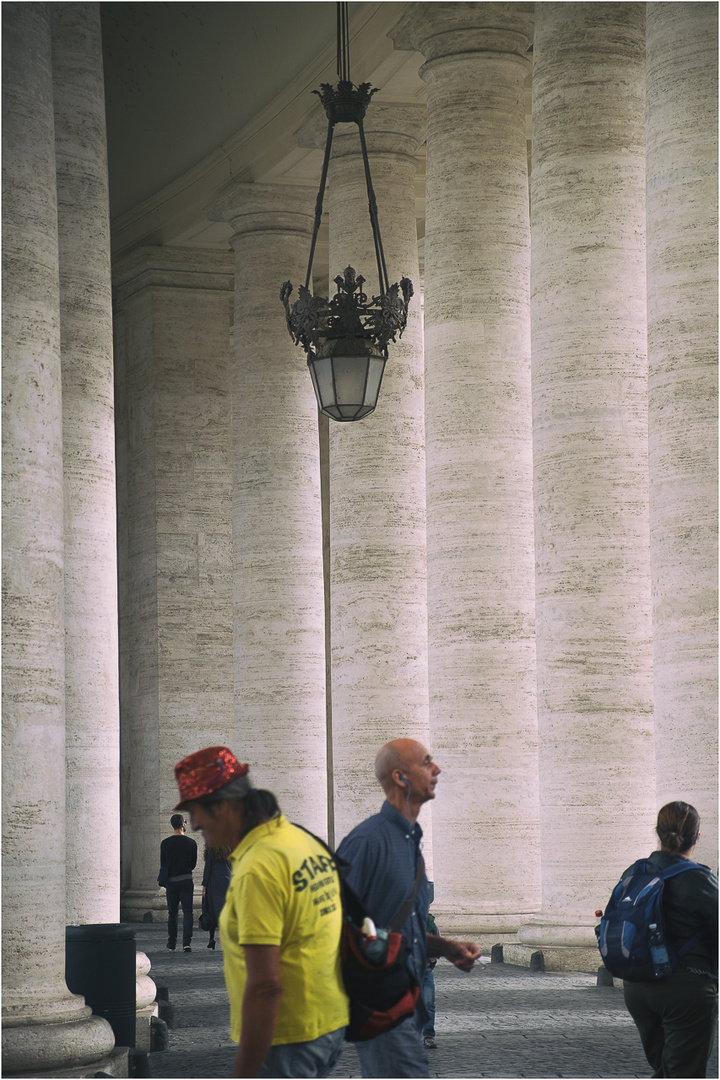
676,1015
180,854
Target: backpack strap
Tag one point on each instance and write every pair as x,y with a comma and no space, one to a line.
671,871
351,901
677,868
341,862
689,944
407,907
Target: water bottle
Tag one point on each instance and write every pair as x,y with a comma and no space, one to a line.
376,949
658,952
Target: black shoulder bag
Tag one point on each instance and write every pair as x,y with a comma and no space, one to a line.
382,989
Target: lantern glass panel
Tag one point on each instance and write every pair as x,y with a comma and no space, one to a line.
322,374
350,379
376,366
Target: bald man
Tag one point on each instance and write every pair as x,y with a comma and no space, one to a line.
386,865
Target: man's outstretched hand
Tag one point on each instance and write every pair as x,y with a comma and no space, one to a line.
462,954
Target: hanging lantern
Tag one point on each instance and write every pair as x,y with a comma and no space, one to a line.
346,336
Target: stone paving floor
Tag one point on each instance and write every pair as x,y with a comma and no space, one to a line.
497,1021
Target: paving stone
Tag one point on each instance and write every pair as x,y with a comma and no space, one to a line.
498,1021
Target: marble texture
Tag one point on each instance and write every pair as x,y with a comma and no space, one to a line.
225,625
172,344
92,723
590,459
378,578
682,291
278,596
44,1026
479,461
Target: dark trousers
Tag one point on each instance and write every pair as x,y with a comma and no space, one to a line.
179,892
676,1020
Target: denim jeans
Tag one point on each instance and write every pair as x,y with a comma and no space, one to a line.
428,997
399,1052
315,1058
177,893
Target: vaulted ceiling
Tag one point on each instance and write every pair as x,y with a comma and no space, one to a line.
201,93
182,78
198,94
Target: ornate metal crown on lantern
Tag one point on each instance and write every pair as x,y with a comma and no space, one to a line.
346,337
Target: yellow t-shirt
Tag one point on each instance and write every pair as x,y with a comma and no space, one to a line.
284,891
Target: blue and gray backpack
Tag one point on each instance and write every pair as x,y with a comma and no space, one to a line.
631,934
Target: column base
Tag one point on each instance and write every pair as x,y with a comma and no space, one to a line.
116,1063
482,928
145,906
553,958
52,1048
547,932
143,1027
477,923
145,1004
565,944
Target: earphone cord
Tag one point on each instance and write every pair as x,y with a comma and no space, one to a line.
407,798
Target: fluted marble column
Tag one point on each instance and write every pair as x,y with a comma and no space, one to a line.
590,451
92,733
682,263
378,579
172,330
479,464
44,1026
279,610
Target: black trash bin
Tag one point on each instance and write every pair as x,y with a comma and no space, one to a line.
100,965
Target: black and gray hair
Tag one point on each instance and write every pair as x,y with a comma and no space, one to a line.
258,805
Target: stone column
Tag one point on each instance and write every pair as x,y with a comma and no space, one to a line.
479,462
92,733
44,1026
682,262
590,451
172,331
278,595
92,718
378,575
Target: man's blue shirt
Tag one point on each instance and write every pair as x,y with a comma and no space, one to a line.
383,852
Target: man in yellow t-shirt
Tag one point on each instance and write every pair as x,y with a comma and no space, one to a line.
280,927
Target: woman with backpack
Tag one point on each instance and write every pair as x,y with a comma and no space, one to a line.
676,1014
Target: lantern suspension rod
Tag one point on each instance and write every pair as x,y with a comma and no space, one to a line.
343,43
346,337
372,207
335,113
319,201
343,74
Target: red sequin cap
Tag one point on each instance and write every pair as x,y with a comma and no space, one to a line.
206,771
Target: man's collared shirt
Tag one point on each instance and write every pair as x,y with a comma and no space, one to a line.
383,852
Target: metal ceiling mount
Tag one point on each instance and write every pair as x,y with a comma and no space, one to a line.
346,337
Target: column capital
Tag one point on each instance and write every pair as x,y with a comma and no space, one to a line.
253,208
443,30
190,268
396,128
